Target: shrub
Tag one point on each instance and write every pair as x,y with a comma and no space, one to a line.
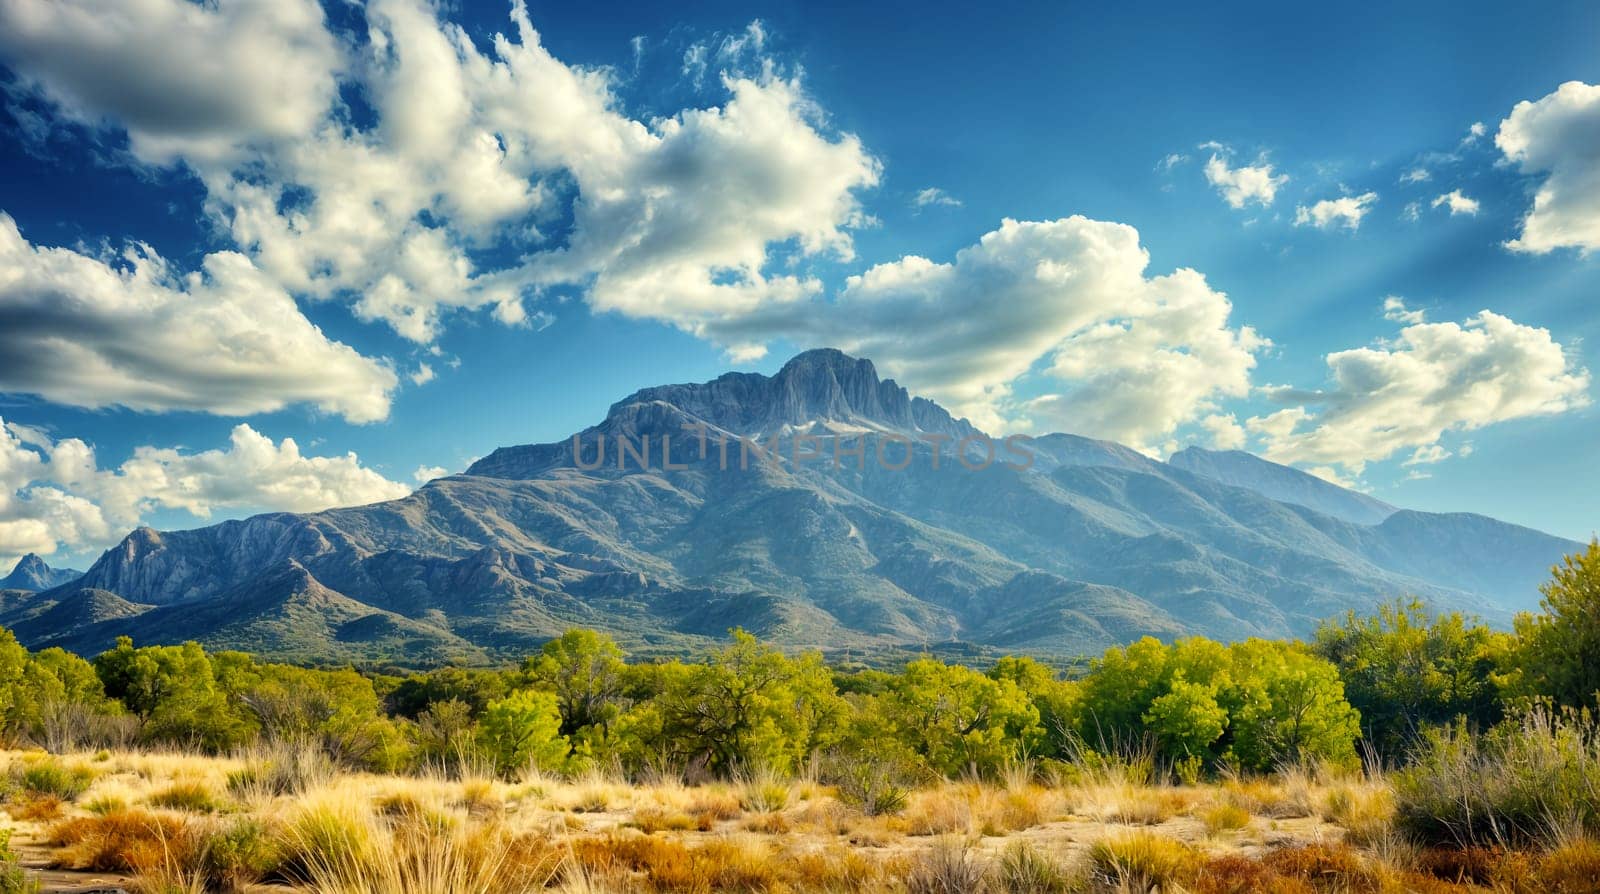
1225,818
1141,860
120,841
283,769
1023,870
194,797
51,777
240,853
949,867
874,785
12,879
1506,788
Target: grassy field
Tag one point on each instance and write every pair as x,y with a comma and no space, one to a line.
283,819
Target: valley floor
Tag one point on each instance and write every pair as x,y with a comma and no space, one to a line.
171,822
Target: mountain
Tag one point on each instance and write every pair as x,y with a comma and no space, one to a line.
31,573
1282,483
819,507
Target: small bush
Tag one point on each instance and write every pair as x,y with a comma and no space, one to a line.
1511,787
949,867
282,770
1322,863
50,777
194,797
1141,860
1023,870
1225,818
875,786
121,841
13,880
240,853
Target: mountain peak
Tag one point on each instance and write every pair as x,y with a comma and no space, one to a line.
31,573
819,385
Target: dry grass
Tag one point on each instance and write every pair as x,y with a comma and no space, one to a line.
187,823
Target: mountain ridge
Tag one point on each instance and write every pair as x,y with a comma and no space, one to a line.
1087,545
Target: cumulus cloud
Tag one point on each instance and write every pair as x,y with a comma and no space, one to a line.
1416,175
53,494
1241,185
676,218
425,474
1457,203
1345,211
85,331
1125,355
181,77
1431,380
1556,136
1225,431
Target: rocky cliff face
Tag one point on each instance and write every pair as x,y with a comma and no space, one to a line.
1089,545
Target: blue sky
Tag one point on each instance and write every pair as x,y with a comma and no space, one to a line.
766,203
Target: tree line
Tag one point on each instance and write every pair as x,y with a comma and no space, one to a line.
1374,684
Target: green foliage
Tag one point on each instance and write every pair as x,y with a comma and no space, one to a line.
958,720
1255,703
1559,651
174,692
585,671
12,878
748,707
51,777
523,730
12,659
1528,780
473,688
1290,706
1405,671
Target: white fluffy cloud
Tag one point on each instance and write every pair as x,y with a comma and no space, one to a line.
1241,185
77,330
1558,136
1433,379
1345,211
181,77
1457,203
676,218
53,495
1125,355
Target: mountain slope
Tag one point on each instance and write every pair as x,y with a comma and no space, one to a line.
819,507
1282,483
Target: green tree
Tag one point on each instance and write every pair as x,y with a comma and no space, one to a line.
1406,670
174,693
1118,691
584,670
1287,705
523,729
1559,650
958,720
1186,719
748,707
13,658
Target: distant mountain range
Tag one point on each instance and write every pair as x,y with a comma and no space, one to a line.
819,507
31,573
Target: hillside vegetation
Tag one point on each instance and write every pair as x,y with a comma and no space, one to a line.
1402,751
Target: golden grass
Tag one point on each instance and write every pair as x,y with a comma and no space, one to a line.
174,821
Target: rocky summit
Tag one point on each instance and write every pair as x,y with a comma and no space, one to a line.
822,506
31,573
